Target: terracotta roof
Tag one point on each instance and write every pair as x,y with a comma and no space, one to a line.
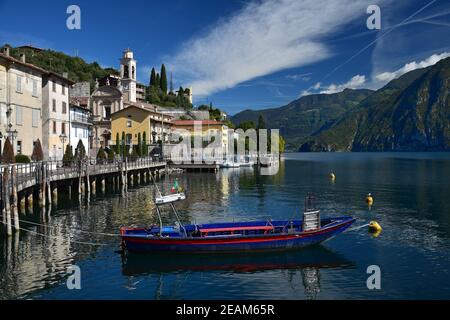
29,65
32,66
192,122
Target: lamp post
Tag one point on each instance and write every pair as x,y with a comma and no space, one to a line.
63,139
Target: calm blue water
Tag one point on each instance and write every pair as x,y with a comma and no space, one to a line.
412,204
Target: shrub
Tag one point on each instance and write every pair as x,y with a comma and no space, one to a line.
101,155
80,151
21,158
68,156
37,154
111,154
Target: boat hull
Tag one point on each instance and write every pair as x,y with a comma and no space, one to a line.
266,242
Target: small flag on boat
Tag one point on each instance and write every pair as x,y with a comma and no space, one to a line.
175,188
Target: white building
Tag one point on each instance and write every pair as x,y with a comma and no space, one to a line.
55,115
80,126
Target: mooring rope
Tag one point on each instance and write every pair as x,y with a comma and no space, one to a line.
357,228
49,236
81,231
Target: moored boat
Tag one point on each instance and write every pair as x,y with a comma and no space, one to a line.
235,236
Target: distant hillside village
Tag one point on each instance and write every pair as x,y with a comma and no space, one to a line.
113,112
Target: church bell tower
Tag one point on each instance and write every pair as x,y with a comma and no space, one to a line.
128,74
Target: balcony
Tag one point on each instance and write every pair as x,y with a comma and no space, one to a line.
81,119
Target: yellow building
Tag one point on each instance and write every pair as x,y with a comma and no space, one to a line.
133,120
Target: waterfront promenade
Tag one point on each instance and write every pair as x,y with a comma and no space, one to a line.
20,184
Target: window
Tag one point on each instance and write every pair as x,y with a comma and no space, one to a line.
129,139
64,107
19,115
63,89
54,127
63,128
107,113
54,105
36,113
54,86
19,84
35,93
129,123
19,147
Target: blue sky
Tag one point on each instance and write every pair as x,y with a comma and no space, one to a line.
244,54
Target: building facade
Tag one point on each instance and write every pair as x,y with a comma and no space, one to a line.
80,127
55,115
134,120
206,130
20,103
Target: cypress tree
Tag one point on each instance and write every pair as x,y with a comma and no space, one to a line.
153,78
117,143
163,80
123,146
139,145
144,145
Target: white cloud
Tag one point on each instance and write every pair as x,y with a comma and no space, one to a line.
385,77
262,38
355,82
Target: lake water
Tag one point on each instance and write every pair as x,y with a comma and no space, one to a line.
411,202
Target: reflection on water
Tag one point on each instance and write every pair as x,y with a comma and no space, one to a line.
306,263
410,202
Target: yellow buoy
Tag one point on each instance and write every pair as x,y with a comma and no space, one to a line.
375,227
369,199
332,176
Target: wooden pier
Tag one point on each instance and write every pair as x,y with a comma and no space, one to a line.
20,183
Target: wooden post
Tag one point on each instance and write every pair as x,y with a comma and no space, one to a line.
42,187
22,203
55,194
103,184
88,182
14,198
93,186
7,198
30,200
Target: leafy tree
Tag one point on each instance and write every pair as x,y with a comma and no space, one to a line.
8,152
37,154
246,125
163,80
68,156
80,151
261,122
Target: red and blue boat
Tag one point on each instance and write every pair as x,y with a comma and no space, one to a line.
236,236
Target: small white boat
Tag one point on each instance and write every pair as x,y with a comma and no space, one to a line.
229,164
170,198
247,164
